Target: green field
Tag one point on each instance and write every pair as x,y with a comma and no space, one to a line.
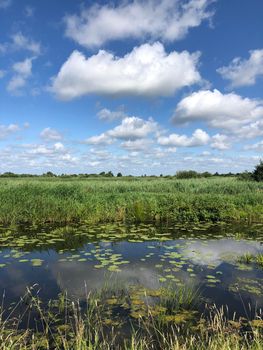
39,200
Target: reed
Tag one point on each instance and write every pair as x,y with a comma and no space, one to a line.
39,200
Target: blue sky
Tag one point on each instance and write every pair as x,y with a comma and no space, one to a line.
132,86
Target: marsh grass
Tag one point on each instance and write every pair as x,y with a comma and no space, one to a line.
249,258
246,258
174,298
69,325
259,260
38,200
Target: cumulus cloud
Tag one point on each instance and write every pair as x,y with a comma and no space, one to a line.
102,139
147,70
49,134
251,130
16,83
36,158
199,138
155,19
100,154
20,42
24,68
6,130
243,72
220,142
137,145
132,128
55,154
23,71
226,111
108,115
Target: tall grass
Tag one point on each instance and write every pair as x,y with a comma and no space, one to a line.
68,328
102,200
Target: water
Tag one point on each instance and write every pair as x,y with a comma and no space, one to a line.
83,258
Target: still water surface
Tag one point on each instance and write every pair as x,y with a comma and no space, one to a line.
83,258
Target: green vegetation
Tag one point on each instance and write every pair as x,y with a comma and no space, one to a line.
38,200
191,174
116,318
257,174
250,258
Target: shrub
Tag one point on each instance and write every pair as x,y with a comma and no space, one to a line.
245,176
187,174
257,174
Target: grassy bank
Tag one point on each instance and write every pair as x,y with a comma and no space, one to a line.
138,199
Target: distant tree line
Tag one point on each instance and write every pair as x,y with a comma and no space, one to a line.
50,174
256,175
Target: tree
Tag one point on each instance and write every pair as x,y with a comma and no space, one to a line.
206,174
257,174
119,175
9,174
186,174
49,174
109,174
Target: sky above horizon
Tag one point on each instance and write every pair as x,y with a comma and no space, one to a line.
138,87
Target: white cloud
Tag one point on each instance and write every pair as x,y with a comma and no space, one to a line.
53,151
21,42
5,3
220,142
58,146
108,115
251,130
132,128
102,139
100,154
6,130
37,157
242,72
23,68
137,145
257,146
50,134
40,150
15,84
2,73
147,70
199,138
155,19
23,71
230,112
